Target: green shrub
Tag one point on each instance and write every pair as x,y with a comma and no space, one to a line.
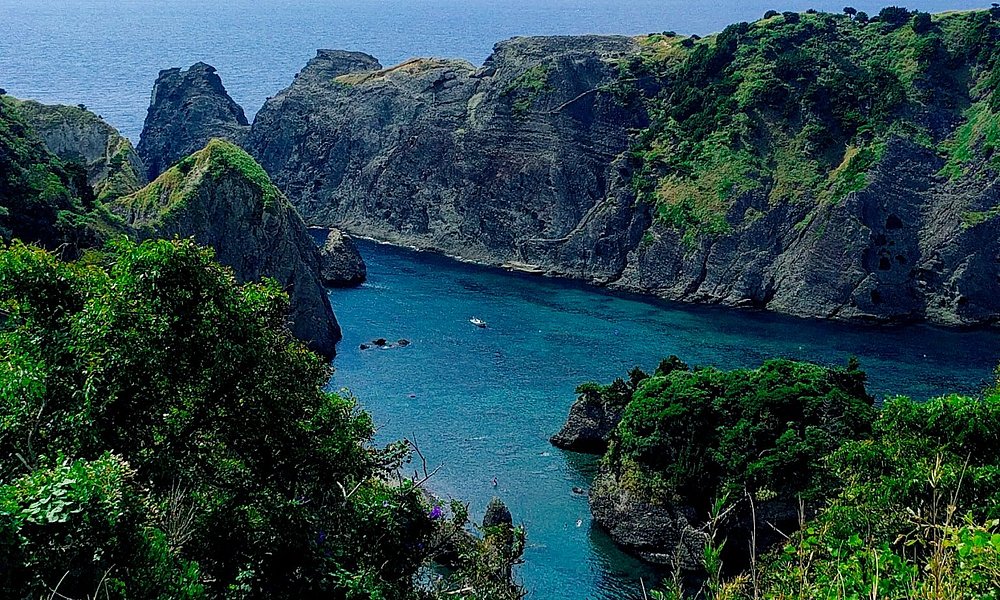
692,436
189,417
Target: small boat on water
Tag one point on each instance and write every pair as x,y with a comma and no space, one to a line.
478,322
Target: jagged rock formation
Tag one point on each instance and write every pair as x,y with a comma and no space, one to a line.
534,160
482,163
341,264
223,199
77,135
589,425
661,534
497,514
188,108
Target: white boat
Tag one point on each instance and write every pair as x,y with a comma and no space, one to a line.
478,322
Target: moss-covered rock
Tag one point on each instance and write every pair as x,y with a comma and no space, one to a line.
80,137
222,198
42,198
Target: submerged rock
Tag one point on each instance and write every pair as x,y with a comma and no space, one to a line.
223,199
341,264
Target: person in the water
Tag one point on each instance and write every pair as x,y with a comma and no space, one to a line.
495,483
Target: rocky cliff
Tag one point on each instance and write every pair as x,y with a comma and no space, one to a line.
188,108
703,170
223,199
76,135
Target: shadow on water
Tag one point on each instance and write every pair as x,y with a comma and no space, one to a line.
483,402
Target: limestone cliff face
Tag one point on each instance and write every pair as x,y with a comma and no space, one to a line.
223,199
525,161
187,109
77,135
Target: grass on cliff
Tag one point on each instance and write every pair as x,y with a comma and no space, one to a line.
120,176
171,191
799,107
41,198
526,88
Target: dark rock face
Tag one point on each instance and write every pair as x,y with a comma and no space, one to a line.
657,534
589,425
676,534
525,162
188,108
497,514
252,228
77,135
495,164
341,264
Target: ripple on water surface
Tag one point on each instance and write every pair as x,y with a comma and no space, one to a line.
483,402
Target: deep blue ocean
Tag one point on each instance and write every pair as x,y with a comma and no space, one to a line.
480,403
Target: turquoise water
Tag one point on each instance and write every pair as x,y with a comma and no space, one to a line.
482,402
106,53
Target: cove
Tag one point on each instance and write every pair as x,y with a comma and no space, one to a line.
483,402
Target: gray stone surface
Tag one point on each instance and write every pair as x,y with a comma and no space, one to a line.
341,264
187,109
524,161
589,425
76,135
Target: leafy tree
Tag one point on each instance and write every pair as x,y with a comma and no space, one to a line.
894,16
162,435
922,22
696,435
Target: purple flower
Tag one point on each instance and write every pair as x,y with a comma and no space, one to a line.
436,513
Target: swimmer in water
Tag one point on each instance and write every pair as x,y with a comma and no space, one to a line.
495,482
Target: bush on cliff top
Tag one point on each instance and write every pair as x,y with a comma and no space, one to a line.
163,436
907,497
693,436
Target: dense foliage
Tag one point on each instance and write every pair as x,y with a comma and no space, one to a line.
897,502
163,436
692,436
797,107
916,516
43,199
